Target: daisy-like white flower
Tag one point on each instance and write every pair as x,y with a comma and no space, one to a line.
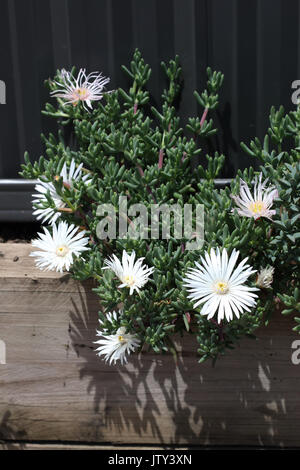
133,274
256,205
220,286
40,200
84,88
265,277
50,214
74,174
115,346
59,249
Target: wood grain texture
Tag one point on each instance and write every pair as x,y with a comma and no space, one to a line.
54,387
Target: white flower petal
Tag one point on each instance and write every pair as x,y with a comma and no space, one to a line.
58,249
219,286
114,347
40,202
258,205
84,88
132,274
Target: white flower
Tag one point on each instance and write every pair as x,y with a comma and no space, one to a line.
265,278
46,213
84,88
74,173
218,286
133,275
51,214
260,203
115,346
59,248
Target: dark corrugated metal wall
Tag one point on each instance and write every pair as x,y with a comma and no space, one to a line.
254,42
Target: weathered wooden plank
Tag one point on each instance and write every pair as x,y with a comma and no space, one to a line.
16,262
55,388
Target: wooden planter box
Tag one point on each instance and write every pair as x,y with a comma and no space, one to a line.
54,388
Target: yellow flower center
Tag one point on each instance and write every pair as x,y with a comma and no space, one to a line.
62,250
129,280
256,207
82,93
221,287
122,339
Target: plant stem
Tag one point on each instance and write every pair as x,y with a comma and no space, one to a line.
160,159
161,153
203,116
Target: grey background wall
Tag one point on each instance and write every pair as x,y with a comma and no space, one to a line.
256,43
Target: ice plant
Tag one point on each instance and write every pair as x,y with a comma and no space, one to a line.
114,347
84,88
120,144
58,250
265,277
40,202
259,204
220,286
132,274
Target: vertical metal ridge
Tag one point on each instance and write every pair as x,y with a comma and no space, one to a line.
110,41
144,36
184,45
234,84
259,65
16,76
60,33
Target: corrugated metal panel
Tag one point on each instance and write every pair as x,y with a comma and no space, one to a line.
254,42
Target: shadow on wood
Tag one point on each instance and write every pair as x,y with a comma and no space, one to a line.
54,388
248,398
